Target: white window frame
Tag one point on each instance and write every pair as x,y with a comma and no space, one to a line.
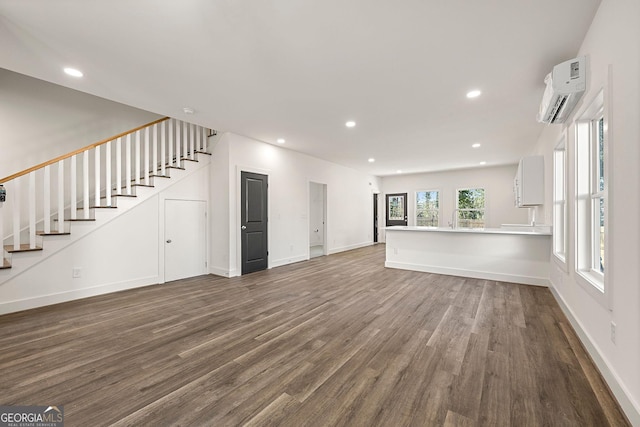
438,211
560,209
587,218
458,210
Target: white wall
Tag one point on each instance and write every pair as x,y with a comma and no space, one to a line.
497,182
612,40
40,121
349,202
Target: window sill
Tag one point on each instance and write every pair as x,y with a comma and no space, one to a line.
561,262
593,284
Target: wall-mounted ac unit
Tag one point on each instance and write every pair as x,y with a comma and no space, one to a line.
565,85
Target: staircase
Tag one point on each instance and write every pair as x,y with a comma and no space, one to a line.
46,203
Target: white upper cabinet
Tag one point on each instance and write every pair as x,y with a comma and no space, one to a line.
528,185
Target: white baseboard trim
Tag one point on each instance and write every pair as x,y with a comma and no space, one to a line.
285,261
44,300
511,278
348,247
630,407
217,271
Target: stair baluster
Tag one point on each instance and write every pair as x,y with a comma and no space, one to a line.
146,156
16,196
154,159
137,157
32,210
73,189
107,177
46,202
96,188
171,142
127,170
85,183
192,147
60,197
185,141
163,149
119,166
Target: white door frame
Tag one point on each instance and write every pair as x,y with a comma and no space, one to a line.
325,249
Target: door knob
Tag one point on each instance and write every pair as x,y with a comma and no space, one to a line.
168,240
244,227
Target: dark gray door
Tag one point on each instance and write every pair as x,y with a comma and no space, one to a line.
254,222
396,209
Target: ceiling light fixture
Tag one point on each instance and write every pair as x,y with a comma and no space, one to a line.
73,72
188,110
371,160
280,140
473,94
483,163
476,145
350,124
399,171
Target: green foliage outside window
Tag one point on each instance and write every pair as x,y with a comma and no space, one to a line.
471,208
427,207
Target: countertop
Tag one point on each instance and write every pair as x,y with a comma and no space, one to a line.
527,232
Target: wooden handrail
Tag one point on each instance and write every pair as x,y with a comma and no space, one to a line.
78,151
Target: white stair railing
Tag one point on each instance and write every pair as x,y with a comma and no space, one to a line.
62,190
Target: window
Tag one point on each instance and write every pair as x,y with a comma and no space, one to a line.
470,208
598,195
591,196
427,208
560,203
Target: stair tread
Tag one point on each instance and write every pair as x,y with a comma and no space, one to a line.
76,219
5,264
142,185
119,195
203,152
188,160
23,248
97,207
53,233
175,167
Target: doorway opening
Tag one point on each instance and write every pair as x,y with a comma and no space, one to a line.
375,218
317,219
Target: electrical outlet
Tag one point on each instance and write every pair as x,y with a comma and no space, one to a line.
613,332
76,272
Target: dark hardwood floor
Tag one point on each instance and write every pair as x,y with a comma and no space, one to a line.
337,340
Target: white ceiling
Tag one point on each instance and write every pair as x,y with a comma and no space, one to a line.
299,69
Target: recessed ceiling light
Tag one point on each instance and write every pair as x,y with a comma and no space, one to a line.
483,163
73,72
188,110
280,140
399,171
350,124
473,94
476,145
371,160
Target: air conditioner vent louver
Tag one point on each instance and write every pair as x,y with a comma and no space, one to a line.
557,107
565,86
